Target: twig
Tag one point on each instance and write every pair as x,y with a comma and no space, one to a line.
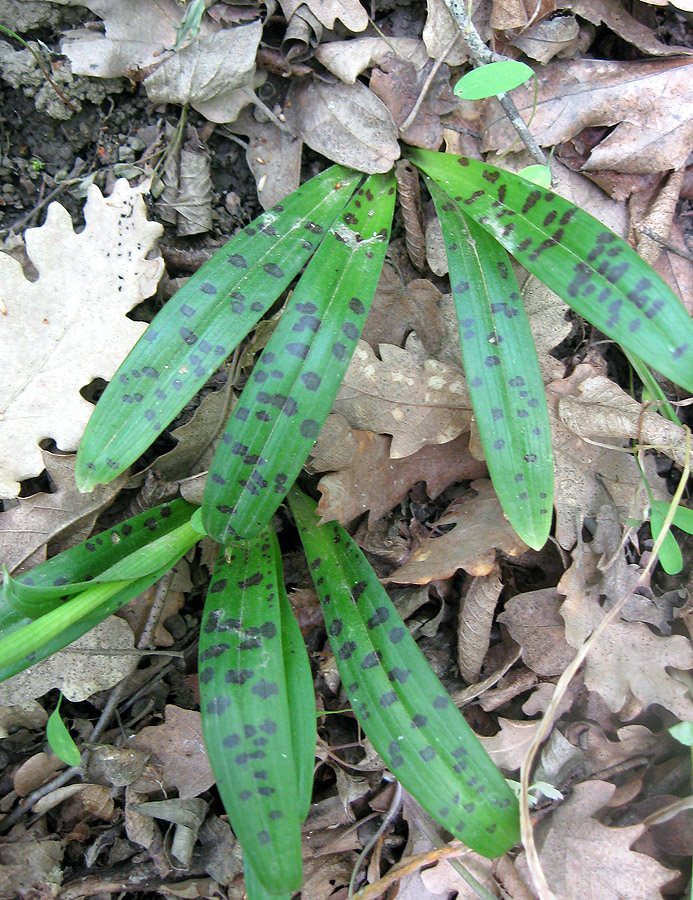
389,816
533,862
663,242
481,55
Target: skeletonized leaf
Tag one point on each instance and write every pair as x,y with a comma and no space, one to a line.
207,318
593,270
292,387
400,703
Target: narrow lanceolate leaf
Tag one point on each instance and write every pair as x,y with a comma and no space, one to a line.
292,387
43,588
245,710
503,377
60,740
200,326
592,269
400,703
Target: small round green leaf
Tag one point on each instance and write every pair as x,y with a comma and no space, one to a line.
59,738
683,732
495,78
540,175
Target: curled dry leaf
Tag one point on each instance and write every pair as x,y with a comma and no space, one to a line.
615,16
69,326
475,621
649,102
375,482
347,123
509,747
187,198
418,401
480,529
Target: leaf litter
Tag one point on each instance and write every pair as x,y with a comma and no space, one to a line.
499,623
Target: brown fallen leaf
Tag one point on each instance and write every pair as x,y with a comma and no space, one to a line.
509,14
676,271
398,83
347,123
31,867
349,59
583,859
398,309
65,514
349,12
375,482
475,621
549,38
441,29
615,16
534,623
179,747
480,529
649,102
418,401
509,747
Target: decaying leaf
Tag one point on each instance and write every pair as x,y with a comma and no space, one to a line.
187,196
98,660
533,620
65,514
441,30
197,439
582,858
615,16
347,123
179,746
418,401
31,867
214,73
374,481
649,102
549,38
70,326
480,529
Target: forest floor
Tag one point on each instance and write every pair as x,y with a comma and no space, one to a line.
261,98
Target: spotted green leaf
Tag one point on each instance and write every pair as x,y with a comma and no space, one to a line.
203,322
398,700
60,739
44,587
592,269
503,377
293,385
247,664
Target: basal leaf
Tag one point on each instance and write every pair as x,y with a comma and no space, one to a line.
399,701
200,326
592,269
503,377
44,587
293,385
245,710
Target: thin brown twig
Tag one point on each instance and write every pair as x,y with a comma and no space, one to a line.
481,55
427,85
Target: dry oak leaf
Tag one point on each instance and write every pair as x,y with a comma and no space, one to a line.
26,528
534,623
349,59
179,746
214,73
69,326
347,123
375,482
480,529
584,860
650,103
509,747
350,12
98,660
629,659
418,401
